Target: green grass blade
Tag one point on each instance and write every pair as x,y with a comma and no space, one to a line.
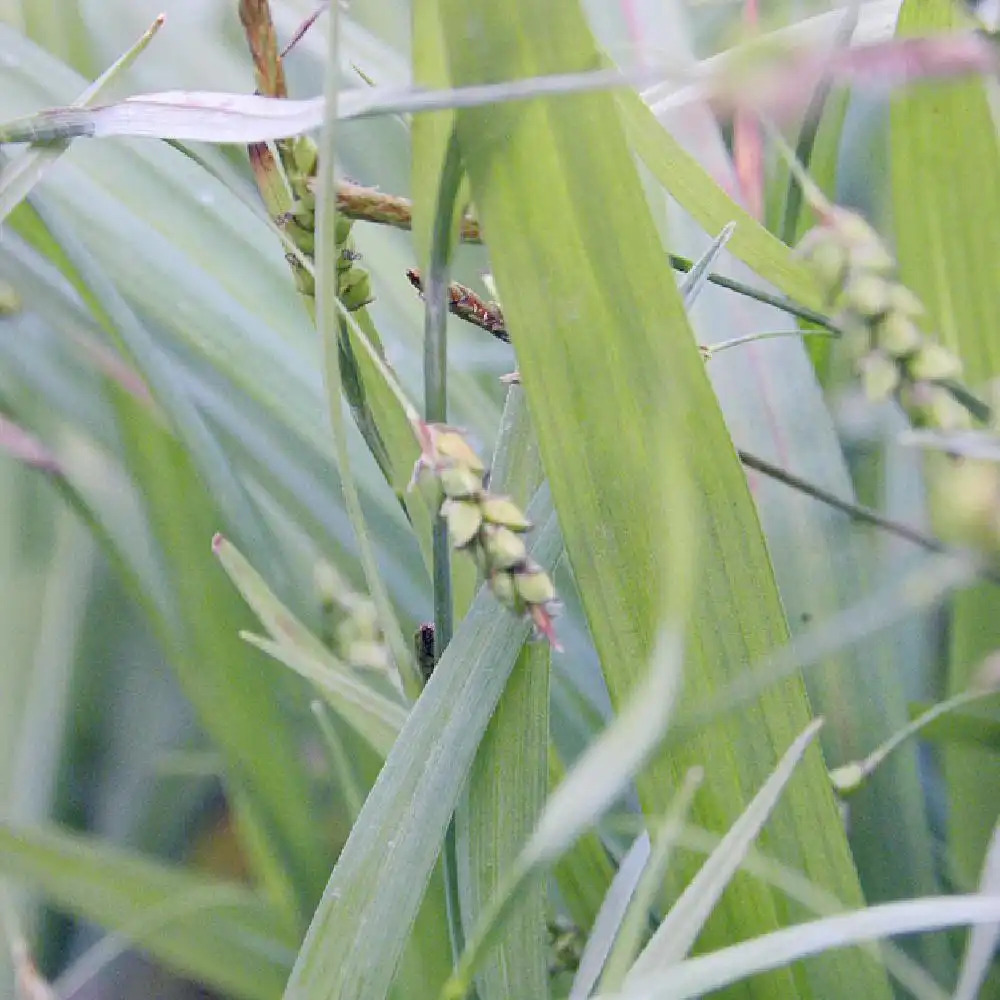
821,560
383,869
329,324
507,787
616,905
376,719
235,690
698,976
599,778
19,176
584,873
983,939
696,192
509,777
220,933
946,190
636,922
680,928
582,282
114,314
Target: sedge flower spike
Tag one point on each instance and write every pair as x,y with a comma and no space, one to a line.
880,317
489,528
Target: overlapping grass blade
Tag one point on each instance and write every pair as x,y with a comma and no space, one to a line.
634,926
679,930
509,777
208,116
19,176
383,869
774,408
617,902
601,776
234,689
945,169
687,181
983,938
220,933
697,976
582,283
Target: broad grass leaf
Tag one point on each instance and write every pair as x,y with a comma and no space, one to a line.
219,933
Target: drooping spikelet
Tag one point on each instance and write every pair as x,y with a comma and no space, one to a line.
879,317
895,358
489,528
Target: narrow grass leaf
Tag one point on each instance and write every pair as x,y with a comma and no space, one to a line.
329,323
506,792
679,930
610,917
207,116
238,694
374,717
690,184
119,320
607,766
383,869
636,923
982,943
508,782
581,282
280,623
219,933
946,192
584,873
695,977
19,176
600,776
282,839
695,280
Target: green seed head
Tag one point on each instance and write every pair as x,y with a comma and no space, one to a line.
903,301
828,258
304,238
932,363
898,335
503,510
502,585
863,245
343,229
868,295
965,501
464,521
452,446
459,482
945,412
305,282
305,155
304,213
503,548
534,586
354,288
880,375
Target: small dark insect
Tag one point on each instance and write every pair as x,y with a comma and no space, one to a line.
466,304
423,647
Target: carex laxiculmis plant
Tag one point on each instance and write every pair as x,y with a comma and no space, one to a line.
625,424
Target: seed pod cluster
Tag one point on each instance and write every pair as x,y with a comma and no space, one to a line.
351,622
489,528
299,158
879,317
